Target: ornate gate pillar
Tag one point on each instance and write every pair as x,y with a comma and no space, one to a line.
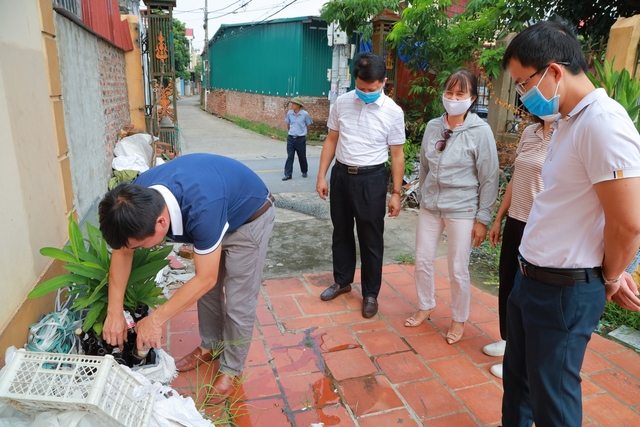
160,52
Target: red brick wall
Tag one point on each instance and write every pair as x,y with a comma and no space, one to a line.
217,102
457,7
115,100
267,109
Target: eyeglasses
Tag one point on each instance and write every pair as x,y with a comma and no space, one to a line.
442,144
520,86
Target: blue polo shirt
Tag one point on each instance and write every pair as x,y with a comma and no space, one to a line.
206,195
298,122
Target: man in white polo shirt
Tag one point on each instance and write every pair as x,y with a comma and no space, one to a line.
583,230
364,124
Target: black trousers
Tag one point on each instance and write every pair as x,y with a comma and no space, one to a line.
511,238
361,197
296,145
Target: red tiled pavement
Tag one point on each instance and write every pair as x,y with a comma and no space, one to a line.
321,362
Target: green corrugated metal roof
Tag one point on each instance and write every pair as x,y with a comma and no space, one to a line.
223,27
283,57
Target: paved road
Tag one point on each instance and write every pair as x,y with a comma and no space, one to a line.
205,133
301,239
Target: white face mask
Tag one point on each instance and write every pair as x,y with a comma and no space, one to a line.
456,108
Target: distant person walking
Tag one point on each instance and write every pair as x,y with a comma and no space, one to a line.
298,121
458,190
526,182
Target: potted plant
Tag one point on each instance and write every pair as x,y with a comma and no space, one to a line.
88,260
619,86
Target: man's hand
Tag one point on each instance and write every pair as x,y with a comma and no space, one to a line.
149,333
394,205
322,188
114,330
478,234
624,292
495,233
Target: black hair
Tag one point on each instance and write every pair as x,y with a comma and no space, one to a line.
467,81
129,211
544,43
369,67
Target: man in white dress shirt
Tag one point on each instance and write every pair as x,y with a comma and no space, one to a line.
364,125
583,229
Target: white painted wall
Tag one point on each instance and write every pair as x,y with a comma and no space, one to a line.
32,208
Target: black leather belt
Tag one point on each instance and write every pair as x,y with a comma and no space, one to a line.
262,209
558,276
359,170
297,136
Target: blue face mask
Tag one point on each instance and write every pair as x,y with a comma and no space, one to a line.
368,97
538,105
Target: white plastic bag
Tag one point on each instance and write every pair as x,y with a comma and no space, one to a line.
139,144
133,162
11,417
170,409
163,371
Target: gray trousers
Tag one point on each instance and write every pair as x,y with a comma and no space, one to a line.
227,312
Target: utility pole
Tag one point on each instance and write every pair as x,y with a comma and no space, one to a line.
338,75
205,56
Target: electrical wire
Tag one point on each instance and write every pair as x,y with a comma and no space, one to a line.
55,333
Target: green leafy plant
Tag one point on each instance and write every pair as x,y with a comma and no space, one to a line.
616,316
88,262
619,86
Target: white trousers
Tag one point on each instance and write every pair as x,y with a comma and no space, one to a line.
428,236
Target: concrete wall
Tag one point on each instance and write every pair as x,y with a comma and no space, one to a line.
34,161
96,107
267,109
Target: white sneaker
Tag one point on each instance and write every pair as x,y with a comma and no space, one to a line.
497,370
496,349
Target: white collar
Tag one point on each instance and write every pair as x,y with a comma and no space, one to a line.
174,209
589,98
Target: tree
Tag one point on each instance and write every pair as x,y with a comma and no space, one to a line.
355,15
198,68
447,42
592,19
182,52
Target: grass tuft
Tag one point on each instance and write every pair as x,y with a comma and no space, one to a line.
264,129
406,259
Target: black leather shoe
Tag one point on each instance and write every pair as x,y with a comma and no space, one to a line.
369,307
286,178
333,291
304,175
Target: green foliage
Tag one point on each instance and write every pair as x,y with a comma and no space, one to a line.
418,113
450,43
182,50
616,316
406,259
619,86
355,15
198,68
88,261
592,19
257,127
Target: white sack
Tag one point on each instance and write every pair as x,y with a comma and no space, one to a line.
139,144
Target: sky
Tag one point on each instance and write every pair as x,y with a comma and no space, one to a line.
191,12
